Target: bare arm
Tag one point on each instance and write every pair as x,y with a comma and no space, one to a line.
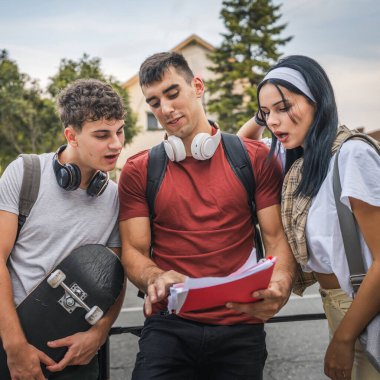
276,244
23,359
339,355
251,130
140,269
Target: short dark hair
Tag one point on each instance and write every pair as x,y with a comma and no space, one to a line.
154,67
88,100
321,135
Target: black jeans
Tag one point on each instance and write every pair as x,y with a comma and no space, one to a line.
172,348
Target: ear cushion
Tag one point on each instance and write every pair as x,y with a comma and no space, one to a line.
201,146
98,184
175,149
169,150
68,176
204,145
75,177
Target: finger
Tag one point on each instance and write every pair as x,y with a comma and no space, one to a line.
47,360
254,310
236,306
63,342
266,294
162,287
60,365
152,293
147,306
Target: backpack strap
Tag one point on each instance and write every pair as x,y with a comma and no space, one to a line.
157,163
238,158
29,188
347,221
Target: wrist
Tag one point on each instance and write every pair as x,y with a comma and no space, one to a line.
100,331
344,337
14,343
259,121
150,275
285,278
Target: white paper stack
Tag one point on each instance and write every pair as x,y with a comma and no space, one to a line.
205,291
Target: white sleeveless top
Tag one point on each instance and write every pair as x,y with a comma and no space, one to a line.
359,169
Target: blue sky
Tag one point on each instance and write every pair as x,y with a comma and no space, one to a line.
343,35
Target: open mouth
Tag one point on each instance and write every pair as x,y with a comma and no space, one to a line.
282,136
112,157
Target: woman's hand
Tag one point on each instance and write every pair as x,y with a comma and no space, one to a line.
339,359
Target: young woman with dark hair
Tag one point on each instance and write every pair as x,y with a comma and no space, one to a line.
297,104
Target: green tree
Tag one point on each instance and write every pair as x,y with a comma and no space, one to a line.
28,122
86,67
249,48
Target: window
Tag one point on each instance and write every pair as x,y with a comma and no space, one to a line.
153,124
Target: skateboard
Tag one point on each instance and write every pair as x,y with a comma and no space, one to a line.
71,298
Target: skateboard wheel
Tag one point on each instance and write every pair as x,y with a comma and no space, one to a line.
94,315
56,278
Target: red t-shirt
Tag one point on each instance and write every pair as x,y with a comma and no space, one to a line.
202,225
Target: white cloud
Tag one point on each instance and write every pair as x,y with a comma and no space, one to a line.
356,83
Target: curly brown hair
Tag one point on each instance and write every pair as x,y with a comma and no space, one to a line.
88,100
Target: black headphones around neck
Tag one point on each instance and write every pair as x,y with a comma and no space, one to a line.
68,176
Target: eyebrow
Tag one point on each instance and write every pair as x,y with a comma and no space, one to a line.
172,87
107,130
275,104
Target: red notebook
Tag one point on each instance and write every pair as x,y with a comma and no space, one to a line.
205,293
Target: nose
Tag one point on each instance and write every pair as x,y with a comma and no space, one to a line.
167,107
272,121
117,141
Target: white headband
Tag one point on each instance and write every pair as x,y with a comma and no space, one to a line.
292,76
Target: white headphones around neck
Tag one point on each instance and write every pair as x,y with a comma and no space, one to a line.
203,146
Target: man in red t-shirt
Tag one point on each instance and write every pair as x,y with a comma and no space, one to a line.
202,227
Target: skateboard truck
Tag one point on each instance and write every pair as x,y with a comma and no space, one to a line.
74,297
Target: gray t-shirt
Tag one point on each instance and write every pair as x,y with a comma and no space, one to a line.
59,222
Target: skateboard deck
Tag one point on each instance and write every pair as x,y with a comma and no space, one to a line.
70,299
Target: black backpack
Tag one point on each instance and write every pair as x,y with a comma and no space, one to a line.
238,158
29,188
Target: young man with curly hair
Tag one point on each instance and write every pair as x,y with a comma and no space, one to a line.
76,205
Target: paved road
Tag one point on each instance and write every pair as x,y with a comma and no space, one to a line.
296,349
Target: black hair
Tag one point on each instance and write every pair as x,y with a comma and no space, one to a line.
155,66
321,134
88,100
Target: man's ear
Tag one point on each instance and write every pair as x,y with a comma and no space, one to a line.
71,136
199,86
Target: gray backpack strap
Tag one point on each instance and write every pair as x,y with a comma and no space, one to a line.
29,188
348,225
